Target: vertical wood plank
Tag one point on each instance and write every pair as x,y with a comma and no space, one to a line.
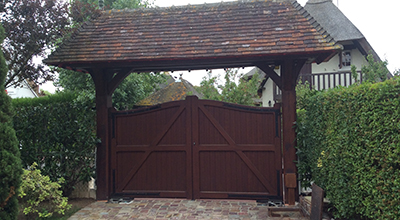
189,103
278,152
289,74
195,148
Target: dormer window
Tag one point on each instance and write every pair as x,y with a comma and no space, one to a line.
345,59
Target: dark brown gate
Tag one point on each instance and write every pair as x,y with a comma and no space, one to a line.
197,149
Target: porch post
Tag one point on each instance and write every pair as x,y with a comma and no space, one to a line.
103,103
289,74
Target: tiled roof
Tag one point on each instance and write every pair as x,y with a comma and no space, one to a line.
173,92
228,30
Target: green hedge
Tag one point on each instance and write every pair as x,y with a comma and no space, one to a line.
349,144
58,133
10,162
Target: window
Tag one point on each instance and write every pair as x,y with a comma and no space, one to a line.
346,58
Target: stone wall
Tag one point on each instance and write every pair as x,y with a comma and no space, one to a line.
84,190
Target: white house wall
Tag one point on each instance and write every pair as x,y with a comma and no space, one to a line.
332,66
267,93
21,92
268,97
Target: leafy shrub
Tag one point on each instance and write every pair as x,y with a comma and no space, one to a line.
40,196
10,163
58,133
349,144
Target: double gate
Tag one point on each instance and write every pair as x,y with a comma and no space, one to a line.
197,149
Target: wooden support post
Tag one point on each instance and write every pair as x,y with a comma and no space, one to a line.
289,74
103,103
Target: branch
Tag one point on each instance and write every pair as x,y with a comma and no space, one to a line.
10,195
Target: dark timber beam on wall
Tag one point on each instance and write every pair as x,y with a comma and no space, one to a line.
290,70
103,104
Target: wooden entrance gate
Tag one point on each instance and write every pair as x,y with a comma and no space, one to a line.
197,149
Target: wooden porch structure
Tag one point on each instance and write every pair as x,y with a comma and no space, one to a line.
224,35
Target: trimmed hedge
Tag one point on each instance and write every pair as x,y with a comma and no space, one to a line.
349,144
58,133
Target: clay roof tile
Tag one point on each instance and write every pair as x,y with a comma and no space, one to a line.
193,32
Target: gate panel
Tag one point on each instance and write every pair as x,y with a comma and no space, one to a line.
237,152
197,149
151,152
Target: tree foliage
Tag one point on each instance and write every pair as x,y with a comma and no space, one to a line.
234,89
374,71
82,11
133,88
209,87
32,29
119,4
10,163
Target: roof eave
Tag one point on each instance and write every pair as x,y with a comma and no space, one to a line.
176,64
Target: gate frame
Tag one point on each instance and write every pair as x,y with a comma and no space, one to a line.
109,70
105,85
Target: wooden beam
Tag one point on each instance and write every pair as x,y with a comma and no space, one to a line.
117,79
290,70
103,104
271,73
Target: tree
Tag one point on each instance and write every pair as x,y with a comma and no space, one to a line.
32,29
235,89
10,162
118,4
374,71
208,87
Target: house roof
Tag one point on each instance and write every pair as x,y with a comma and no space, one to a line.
333,20
170,79
218,35
338,25
173,92
264,78
254,71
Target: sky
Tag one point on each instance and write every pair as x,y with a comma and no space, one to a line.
378,21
